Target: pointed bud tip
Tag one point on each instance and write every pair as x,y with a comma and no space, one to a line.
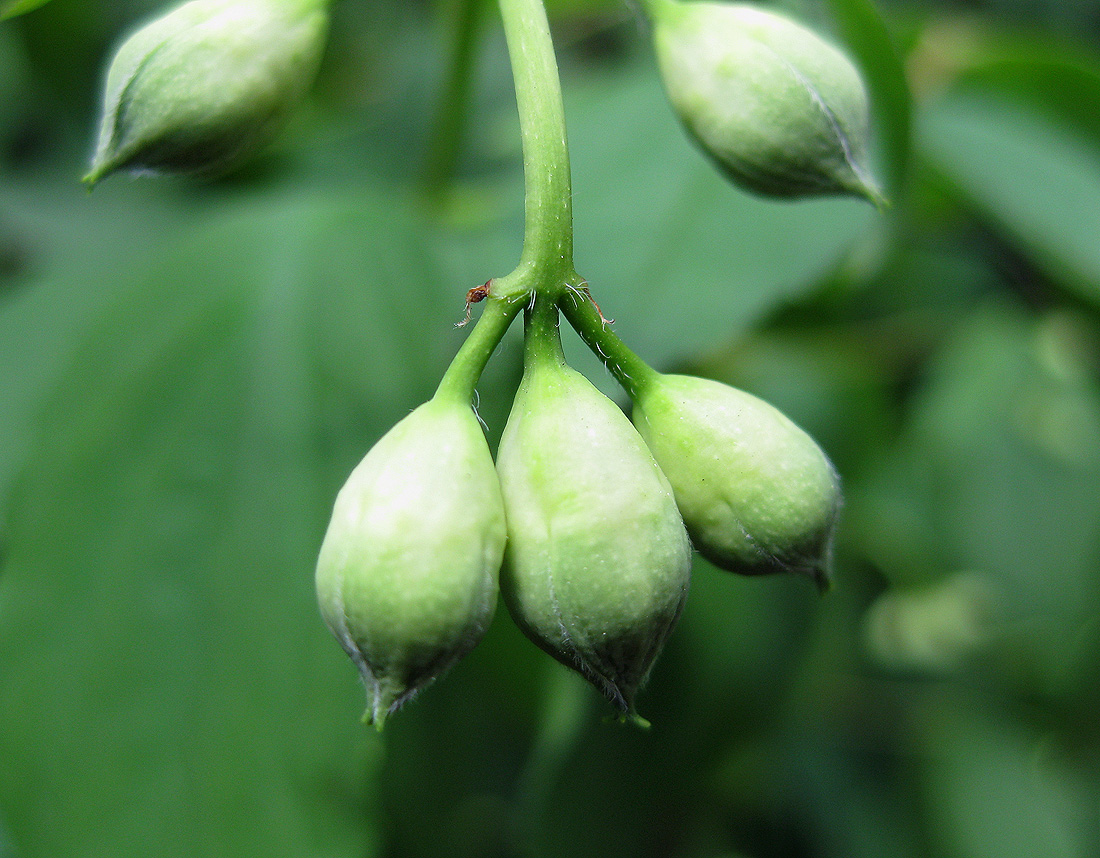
864,187
637,720
376,720
91,178
629,716
823,580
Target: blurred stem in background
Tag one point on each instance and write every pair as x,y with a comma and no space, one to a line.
563,714
462,24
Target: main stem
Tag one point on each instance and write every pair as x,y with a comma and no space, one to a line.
546,262
548,231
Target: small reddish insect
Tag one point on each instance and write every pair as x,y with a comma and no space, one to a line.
475,296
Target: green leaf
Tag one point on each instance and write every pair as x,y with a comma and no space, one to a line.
169,687
1032,179
997,789
11,8
71,256
14,74
1056,76
1002,461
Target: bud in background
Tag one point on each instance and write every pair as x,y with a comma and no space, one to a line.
407,575
203,87
783,112
757,494
935,629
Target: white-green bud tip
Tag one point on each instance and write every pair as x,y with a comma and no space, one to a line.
203,87
780,110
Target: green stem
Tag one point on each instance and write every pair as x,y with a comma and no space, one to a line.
541,337
463,18
462,375
548,211
629,370
546,263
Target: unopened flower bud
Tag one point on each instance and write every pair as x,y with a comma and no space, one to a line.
780,110
597,565
756,492
203,87
407,575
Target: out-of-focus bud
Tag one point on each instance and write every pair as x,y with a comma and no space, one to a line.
757,494
783,112
203,87
936,629
597,565
407,575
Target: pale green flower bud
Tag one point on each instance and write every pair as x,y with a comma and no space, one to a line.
407,575
203,87
597,565
756,493
780,110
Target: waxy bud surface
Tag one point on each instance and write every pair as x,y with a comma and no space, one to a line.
201,88
783,112
407,574
756,492
598,562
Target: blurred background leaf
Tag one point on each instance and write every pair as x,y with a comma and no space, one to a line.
191,370
11,8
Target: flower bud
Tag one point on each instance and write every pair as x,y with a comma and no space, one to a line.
407,575
756,493
780,110
203,87
597,565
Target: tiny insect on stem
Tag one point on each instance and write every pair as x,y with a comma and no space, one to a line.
475,296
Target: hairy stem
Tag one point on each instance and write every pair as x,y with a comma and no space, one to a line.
628,369
462,375
541,338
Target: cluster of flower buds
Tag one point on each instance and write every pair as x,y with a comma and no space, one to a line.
601,513
595,557
586,521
